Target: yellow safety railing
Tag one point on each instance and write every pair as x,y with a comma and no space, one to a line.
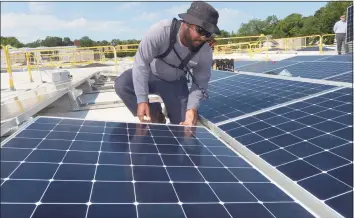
250,44
232,48
298,42
59,57
127,48
9,67
327,40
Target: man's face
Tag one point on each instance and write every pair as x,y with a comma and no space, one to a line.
194,36
342,18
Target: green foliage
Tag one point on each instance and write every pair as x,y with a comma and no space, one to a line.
321,22
12,41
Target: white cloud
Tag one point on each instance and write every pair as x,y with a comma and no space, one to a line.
148,16
30,27
231,19
175,10
128,5
40,7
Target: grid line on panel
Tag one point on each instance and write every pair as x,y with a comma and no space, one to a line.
104,152
317,69
227,168
329,112
132,169
119,165
28,154
245,94
242,183
298,158
52,179
164,166
202,175
271,108
94,176
348,164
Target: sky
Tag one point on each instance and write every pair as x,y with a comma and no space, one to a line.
29,21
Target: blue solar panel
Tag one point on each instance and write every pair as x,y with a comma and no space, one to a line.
216,75
265,66
341,58
133,170
346,77
311,142
243,94
317,70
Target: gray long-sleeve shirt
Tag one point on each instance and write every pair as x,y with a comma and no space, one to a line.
155,42
340,27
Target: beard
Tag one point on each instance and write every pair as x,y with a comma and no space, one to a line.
193,45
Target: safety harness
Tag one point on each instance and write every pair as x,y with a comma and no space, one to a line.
183,65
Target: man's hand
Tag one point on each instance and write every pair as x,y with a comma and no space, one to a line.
144,110
191,118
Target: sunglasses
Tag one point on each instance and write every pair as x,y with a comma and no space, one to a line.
203,32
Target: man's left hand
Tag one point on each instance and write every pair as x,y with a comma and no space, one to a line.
191,118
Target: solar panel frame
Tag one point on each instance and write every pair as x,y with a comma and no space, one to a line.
300,144
57,193
349,35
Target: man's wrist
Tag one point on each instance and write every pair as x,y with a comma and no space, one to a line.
142,99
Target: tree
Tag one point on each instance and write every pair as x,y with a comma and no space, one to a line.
289,26
67,42
12,41
86,42
34,44
328,15
50,41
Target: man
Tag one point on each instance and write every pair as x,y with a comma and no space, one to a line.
166,76
340,29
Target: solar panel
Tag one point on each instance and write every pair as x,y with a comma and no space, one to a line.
216,75
242,94
317,70
350,24
311,142
81,168
341,58
243,63
265,66
307,58
346,77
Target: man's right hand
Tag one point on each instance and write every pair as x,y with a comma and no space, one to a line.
144,110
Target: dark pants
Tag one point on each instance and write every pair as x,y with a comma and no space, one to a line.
340,38
174,95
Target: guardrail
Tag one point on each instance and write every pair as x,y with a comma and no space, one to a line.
242,44
72,56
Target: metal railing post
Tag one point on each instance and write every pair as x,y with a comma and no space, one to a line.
115,58
29,66
8,67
